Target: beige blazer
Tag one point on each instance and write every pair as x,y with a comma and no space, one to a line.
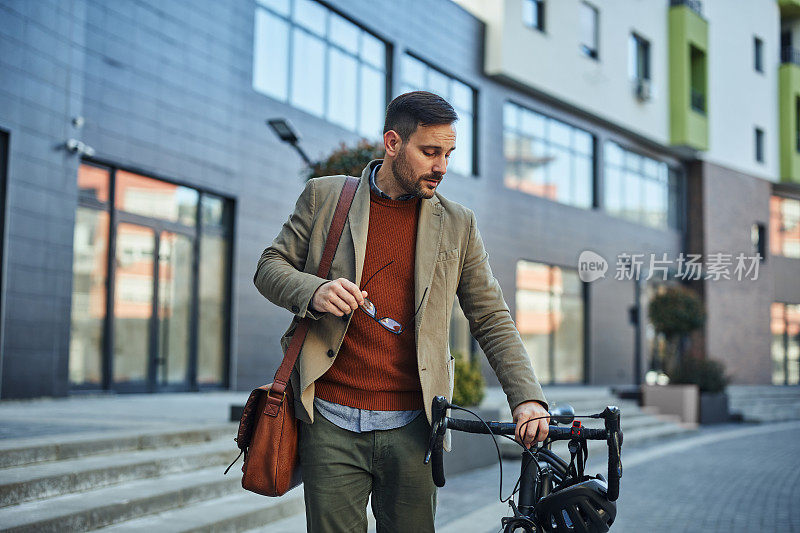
450,260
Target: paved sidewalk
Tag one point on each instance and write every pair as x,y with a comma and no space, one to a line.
726,478
89,414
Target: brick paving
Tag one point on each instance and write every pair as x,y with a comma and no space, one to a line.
726,479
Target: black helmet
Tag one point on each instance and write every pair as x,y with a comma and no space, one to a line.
580,508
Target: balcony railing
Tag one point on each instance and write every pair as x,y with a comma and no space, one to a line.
790,55
698,101
694,5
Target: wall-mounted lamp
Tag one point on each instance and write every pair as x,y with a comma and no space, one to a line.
285,132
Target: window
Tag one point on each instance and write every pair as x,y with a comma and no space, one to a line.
759,138
589,24
419,76
697,59
797,123
785,326
639,58
784,226
320,62
641,189
550,320
758,54
533,14
757,238
150,291
546,157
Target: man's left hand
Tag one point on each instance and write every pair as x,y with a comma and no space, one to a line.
534,431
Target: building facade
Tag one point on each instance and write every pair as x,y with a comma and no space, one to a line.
141,183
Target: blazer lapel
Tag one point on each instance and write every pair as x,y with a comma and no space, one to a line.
429,236
359,221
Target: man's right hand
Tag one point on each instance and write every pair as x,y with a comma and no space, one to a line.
340,297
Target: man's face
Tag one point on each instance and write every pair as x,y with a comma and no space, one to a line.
421,162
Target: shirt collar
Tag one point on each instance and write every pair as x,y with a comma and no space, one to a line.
373,185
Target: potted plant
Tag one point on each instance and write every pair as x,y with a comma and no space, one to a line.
469,386
346,160
674,313
710,378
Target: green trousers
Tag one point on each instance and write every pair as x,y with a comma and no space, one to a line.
341,468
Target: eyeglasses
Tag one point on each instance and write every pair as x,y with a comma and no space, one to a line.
390,324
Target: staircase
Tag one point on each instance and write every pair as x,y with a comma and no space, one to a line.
158,481
639,425
765,403
167,474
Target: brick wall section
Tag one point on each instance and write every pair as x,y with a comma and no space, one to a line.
737,331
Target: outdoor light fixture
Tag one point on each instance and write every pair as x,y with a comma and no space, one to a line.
285,132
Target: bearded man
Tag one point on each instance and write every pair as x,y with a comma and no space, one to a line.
377,350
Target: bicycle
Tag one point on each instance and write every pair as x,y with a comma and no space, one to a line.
554,496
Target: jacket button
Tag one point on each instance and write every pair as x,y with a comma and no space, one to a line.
295,309
330,353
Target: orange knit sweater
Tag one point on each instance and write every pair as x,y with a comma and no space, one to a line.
376,369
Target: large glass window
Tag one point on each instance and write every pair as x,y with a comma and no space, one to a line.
550,319
89,260
320,62
419,76
784,226
641,189
163,336
546,157
785,326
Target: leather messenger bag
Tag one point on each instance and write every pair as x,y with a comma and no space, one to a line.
268,429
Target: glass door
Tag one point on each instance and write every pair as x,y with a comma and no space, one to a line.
174,309
152,309
133,290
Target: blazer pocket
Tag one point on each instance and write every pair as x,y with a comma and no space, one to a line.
449,254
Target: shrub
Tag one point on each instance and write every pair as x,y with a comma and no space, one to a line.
707,374
349,161
676,311
469,385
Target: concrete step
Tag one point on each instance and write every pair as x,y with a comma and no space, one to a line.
236,512
17,452
42,480
83,511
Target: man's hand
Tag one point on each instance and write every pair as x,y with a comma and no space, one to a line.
340,297
534,431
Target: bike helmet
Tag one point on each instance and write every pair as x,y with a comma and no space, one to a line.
580,508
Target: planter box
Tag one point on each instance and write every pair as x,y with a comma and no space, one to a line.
714,408
680,400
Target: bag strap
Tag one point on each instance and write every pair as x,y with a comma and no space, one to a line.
277,392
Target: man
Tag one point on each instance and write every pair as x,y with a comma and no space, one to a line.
377,351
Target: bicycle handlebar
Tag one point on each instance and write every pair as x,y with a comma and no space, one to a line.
611,434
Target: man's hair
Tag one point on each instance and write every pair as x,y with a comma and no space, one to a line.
417,108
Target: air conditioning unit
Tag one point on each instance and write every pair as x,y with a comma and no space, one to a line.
642,89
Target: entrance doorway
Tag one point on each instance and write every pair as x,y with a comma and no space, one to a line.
151,297
151,284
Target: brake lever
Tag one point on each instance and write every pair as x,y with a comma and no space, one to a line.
432,442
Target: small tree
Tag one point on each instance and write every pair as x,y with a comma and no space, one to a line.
675,313
349,161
